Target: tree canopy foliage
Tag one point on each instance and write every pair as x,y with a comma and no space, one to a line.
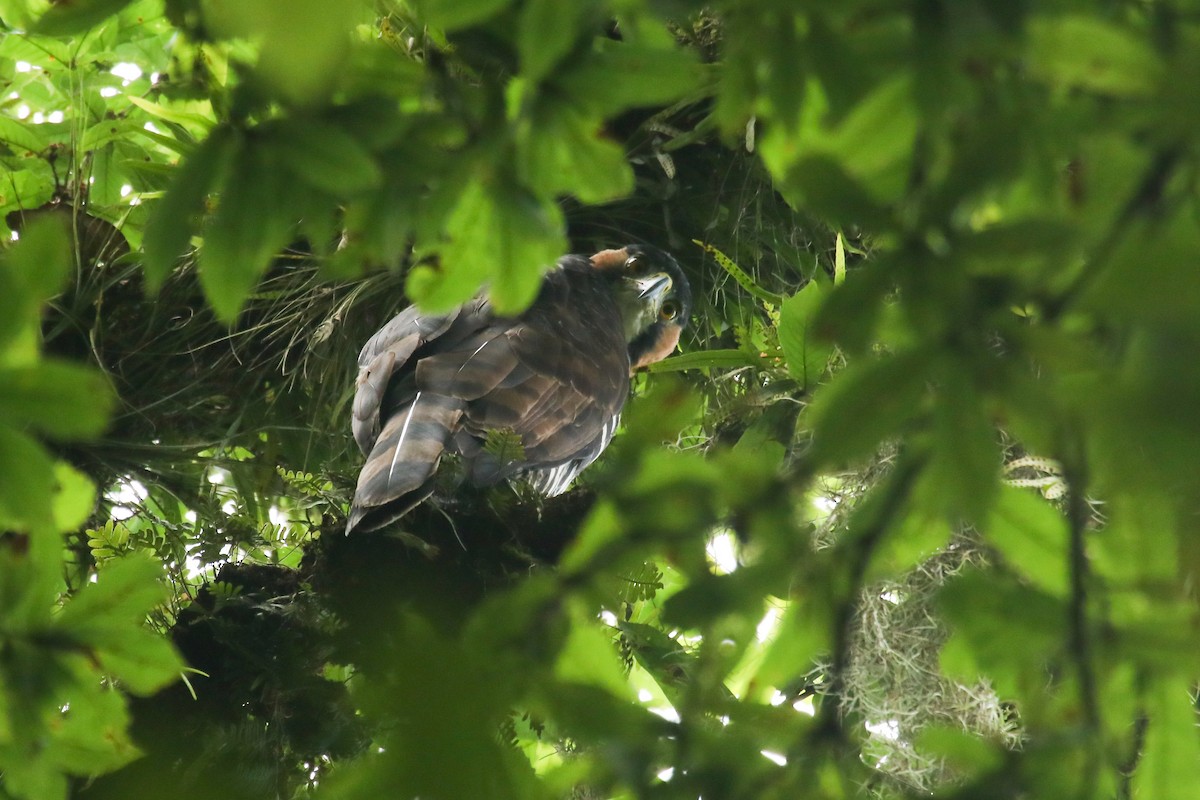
912,511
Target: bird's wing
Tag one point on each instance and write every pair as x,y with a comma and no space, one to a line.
404,431
556,377
387,353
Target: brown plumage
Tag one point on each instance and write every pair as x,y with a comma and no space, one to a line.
554,379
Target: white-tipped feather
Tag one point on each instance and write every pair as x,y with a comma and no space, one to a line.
477,350
403,432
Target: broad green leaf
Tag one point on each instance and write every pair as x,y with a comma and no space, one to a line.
599,532
1170,764
619,75
1125,287
26,483
169,114
109,616
807,357
963,472
590,657
170,226
1031,536
22,136
1000,630
1078,51
304,65
967,753
803,634
75,498
253,221
704,359
34,779
912,538
65,19
824,186
497,233
850,314
90,738
561,150
865,404
547,31
874,142
42,258
450,15
325,156
60,399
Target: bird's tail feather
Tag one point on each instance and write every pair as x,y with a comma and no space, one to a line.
398,473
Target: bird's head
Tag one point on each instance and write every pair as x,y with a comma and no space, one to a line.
653,296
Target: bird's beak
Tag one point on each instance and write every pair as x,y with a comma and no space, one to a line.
653,288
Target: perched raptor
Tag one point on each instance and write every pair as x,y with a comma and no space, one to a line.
553,379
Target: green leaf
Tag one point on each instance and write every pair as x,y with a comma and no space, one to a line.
864,405
599,532
35,779
169,114
547,30
91,738
42,258
619,76
57,398
807,357
26,482
1078,51
75,498
301,67
325,156
962,476
109,616
253,221
964,751
589,656
22,136
497,232
990,639
170,225
1170,764
705,359
823,185
561,150
738,274
1031,535
450,15
78,16
874,142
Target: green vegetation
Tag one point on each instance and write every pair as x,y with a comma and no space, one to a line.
912,512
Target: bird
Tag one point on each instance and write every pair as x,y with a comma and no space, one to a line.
551,380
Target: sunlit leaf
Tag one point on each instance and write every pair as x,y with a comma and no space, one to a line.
866,403
108,616
498,233
57,398
26,481
326,157
1170,763
452,14
1091,53
64,19
253,221
1031,536
170,226
807,356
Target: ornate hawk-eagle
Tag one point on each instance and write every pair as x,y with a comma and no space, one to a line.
553,378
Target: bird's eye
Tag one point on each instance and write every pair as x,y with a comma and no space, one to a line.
633,263
669,311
